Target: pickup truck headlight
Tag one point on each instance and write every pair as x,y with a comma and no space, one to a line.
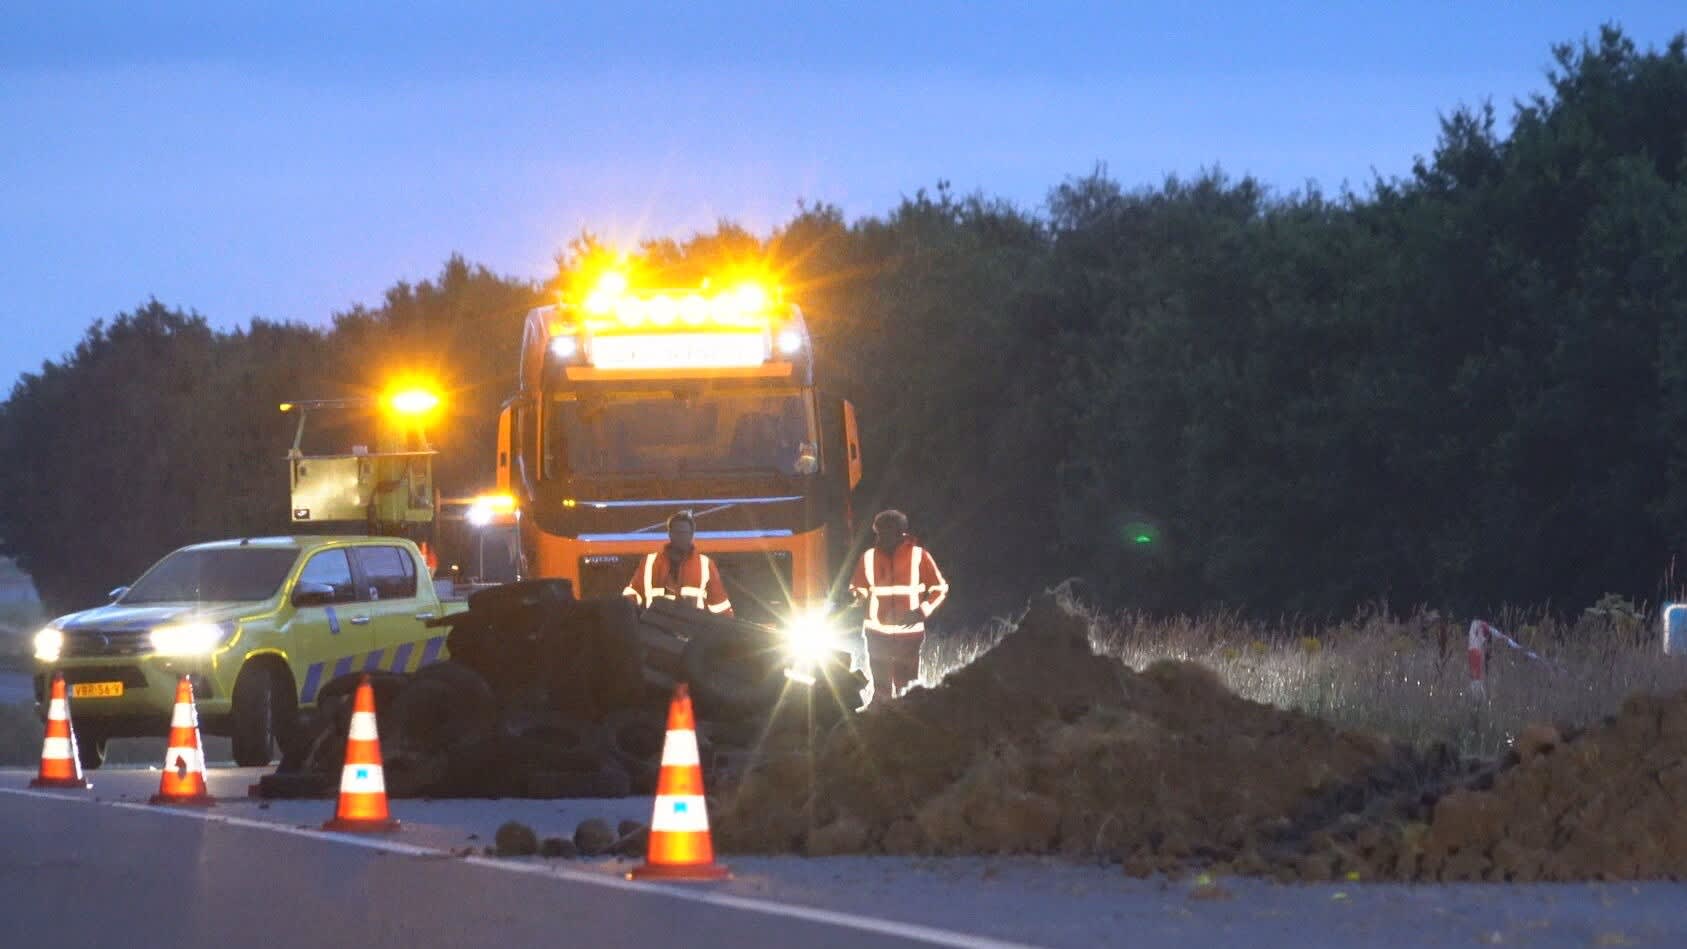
49,642
189,639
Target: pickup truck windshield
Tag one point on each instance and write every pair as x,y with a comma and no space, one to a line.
657,433
231,574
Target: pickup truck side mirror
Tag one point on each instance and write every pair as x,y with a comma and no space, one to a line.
312,594
117,593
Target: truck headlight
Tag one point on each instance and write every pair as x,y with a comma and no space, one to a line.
49,643
189,639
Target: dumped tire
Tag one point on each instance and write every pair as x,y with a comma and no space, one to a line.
508,767
635,738
606,781
295,785
408,774
731,680
90,750
569,736
444,706
662,650
334,699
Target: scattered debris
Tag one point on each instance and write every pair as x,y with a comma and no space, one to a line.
515,839
558,848
593,837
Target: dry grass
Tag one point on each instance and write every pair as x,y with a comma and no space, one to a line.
1406,678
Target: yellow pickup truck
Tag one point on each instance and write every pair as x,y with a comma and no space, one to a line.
258,624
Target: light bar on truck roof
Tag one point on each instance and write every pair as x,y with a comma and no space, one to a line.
612,305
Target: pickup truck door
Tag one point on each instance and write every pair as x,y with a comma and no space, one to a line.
324,641
399,605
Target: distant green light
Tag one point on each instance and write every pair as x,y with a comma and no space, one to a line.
1140,533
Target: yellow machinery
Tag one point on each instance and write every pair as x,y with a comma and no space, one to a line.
381,488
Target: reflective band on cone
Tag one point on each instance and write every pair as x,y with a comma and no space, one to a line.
363,785
183,778
60,766
680,845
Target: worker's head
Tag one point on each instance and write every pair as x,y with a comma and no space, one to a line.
681,528
889,527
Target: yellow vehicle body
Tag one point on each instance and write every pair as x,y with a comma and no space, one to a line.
339,604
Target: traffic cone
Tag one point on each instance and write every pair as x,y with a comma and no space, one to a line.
60,766
183,780
363,788
680,846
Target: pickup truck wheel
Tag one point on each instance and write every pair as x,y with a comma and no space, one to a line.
265,714
90,750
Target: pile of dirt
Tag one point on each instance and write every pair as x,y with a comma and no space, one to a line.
1040,746
1605,804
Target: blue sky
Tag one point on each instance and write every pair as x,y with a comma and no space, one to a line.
291,163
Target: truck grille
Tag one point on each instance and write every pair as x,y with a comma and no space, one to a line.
106,642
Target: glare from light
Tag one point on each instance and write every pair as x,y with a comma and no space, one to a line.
565,347
49,644
413,401
810,637
663,311
187,639
694,310
751,298
612,283
485,508
790,342
632,312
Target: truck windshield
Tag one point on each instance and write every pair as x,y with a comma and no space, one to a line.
668,433
231,574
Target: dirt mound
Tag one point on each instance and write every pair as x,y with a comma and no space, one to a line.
1606,804
1040,746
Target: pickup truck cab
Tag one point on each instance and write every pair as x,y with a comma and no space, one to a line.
258,624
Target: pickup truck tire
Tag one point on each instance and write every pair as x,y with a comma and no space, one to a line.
265,713
90,750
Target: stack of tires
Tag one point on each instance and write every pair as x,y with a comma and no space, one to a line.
549,696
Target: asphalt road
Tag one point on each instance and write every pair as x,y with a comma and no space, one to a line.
77,874
15,687
251,872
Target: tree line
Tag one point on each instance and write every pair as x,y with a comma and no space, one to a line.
1466,386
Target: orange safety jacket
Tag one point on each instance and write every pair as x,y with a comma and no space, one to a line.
698,583
901,590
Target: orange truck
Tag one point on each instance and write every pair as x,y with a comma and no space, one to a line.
635,402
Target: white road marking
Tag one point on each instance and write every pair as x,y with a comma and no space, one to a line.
912,931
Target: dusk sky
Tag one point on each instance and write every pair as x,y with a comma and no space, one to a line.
295,163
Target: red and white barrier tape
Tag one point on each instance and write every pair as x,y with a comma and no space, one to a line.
1482,633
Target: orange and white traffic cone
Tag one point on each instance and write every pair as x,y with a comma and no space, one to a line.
60,766
680,845
363,787
183,780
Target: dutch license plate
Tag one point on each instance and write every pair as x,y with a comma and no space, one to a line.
97,690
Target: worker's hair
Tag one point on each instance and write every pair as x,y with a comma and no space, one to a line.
685,516
890,522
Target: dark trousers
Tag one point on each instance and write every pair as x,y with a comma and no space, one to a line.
893,660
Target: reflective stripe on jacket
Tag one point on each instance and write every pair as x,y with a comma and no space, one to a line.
698,584
901,590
